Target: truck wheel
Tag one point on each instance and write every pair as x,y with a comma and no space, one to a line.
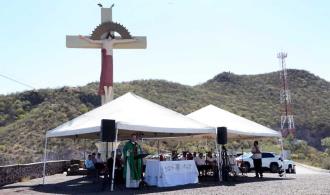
247,166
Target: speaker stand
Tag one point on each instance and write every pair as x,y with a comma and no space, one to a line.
219,161
106,151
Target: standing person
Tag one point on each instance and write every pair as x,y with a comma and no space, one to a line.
257,159
133,164
119,168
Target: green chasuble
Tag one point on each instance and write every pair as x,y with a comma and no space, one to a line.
131,150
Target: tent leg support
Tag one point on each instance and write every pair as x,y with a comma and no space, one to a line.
114,162
45,159
219,161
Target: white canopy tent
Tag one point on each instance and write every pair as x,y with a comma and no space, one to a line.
237,126
132,113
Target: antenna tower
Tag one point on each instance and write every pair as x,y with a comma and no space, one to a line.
287,121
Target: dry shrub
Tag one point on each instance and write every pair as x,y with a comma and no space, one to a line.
326,163
24,179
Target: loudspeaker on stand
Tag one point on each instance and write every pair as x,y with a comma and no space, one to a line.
108,130
222,135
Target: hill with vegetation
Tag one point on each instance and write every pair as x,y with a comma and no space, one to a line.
26,116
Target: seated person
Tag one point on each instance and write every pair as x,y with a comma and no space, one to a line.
184,155
210,160
190,156
98,158
200,163
89,163
199,160
174,155
94,158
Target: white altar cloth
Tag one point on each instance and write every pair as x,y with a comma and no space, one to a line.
170,173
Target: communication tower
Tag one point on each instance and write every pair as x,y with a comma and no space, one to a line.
287,121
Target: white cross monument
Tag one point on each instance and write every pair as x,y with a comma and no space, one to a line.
103,38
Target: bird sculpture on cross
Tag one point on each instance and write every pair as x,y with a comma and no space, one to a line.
103,37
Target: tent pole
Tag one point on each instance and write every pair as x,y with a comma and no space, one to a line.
114,161
45,159
242,160
158,150
219,158
84,149
112,147
106,150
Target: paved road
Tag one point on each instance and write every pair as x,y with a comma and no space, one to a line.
306,181
304,169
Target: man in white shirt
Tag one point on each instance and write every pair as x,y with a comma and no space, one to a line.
257,159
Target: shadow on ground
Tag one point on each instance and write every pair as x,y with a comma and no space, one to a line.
86,185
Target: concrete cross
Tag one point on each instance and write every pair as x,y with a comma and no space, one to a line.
107,42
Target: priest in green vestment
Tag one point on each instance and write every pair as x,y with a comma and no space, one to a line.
133,164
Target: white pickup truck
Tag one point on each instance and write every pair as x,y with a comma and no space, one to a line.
270,161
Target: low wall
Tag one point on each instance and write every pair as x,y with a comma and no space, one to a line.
15,173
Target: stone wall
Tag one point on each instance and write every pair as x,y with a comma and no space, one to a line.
15,173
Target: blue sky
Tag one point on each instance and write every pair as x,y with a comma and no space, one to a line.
189,41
